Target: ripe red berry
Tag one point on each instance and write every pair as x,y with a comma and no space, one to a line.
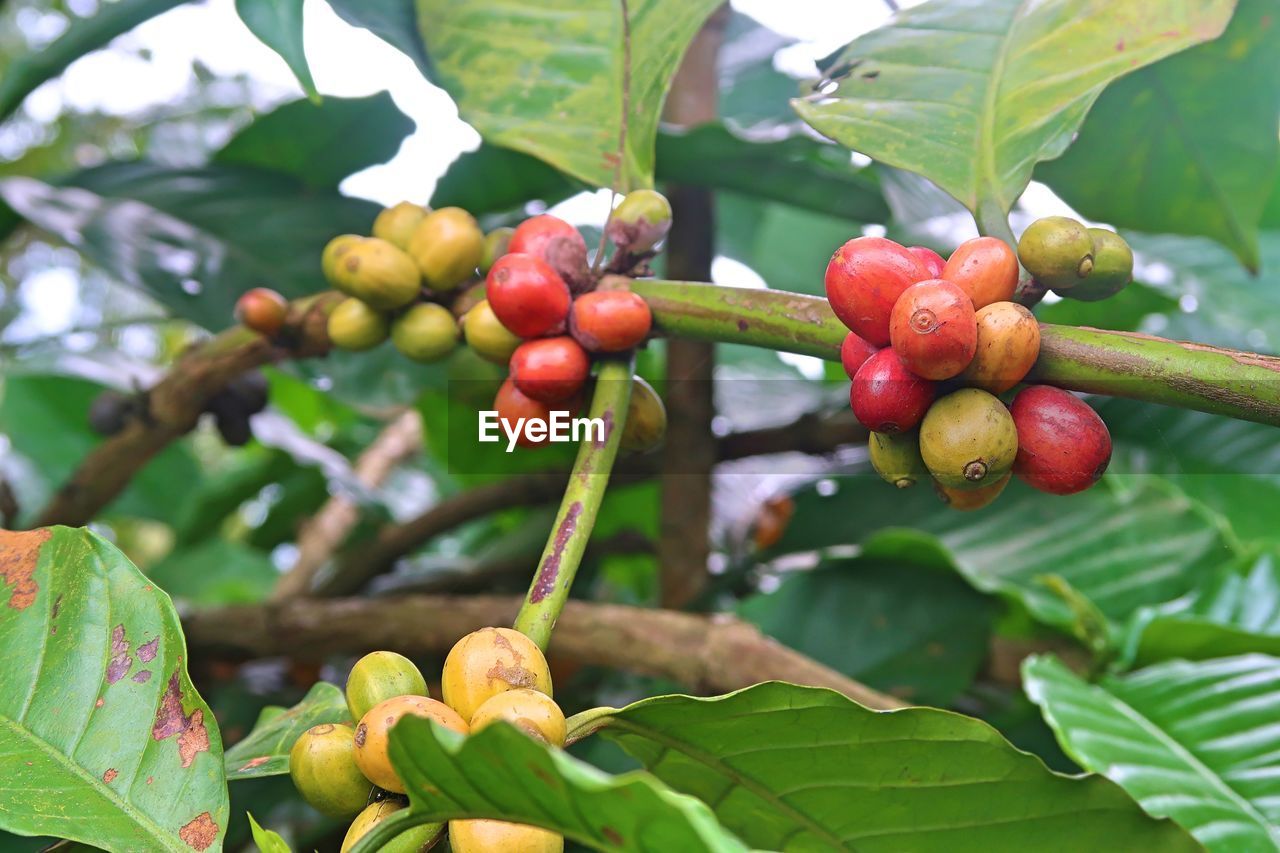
854,352
527,296
864,278
886,396
1063,445
262,310
556,242
932,261
610,320
550,370
934,329
513,406
986,268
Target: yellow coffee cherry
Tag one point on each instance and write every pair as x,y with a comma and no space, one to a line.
536,714
371,732
379,676
495,836
486,335
488,662
378,273
412,840
447,247
397,223
323,768
353,325
426,332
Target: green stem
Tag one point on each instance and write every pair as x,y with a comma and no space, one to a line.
559,563
994,222
1120,364
386,830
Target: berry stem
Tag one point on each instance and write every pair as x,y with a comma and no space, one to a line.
559,562
384,831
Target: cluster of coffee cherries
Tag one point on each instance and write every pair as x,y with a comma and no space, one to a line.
491,675
933,342
1075,262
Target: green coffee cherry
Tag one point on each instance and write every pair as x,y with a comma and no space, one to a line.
354,325
486,335
413,840
896,458
379,676
447,246
1057,251
1112,268
332,254
646,424
426,332
640,221
397,223
495,246
323,767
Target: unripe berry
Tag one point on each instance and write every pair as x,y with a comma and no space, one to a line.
864,279
379,676
490,661
932,261
1008,345
1112,268
536,714
610,320
528,297
886,396
426,332
967,500
323,767
492,836
1063,445
486,335
985,268
933,329
968,439
496,244
896,458
646,425
262,310
397,223
854,352
371,738
447,246
353,325
379,274
550,369
332,254
414,840
1057,251
640,221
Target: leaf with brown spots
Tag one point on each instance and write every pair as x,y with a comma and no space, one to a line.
19,554
200,833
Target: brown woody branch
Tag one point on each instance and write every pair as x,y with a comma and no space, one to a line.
706,654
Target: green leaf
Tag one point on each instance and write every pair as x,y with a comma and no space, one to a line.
265,750
973,95
267,840
902,627
278,24
215,572
26,72
801,768
497,180
103,737
393,21
1190,741
549,79
501,773
1188,145
320,144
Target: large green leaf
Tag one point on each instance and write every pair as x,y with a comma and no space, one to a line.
102,736
800,768
973,94
1192,741
394,21
497,180
278,23
502,773
1188,145
320,144
551,79
26,72
265,750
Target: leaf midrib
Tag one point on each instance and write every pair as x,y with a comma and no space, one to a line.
987,125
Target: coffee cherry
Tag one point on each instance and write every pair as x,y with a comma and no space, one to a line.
379,274
354,325
968,439
864,279
332,254
1112,268
488,662
491,836
933,329
323,767
513,406
262,310
1057,251
496,244
640,221
234,427
486,335
1063,445
447,245
931,260
528,297
896,458
536,714
646,425
1008,345
550,370
371,734
379,676
967,500
888,397
109,412
252,389
535,234
397,223
854,352
426,332
414,840
610,320
985,268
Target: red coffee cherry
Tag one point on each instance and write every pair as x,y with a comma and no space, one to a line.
854,352
864,278
512,405
932,261
262,310
933,329
1063,445
887,397
556,242
528,297
550,370
610,320
986,268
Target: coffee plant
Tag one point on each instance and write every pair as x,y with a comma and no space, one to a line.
957,533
